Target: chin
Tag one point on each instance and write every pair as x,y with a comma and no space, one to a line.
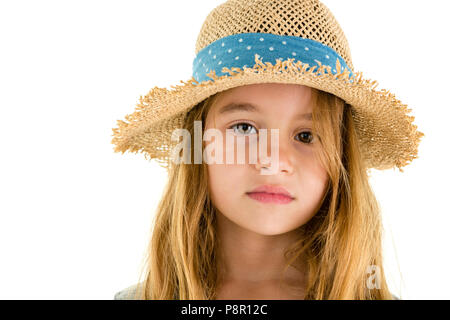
270,230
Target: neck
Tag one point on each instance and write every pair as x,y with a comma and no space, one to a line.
246,256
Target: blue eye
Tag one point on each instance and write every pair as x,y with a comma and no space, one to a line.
244,125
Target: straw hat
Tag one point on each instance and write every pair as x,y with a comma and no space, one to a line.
246,42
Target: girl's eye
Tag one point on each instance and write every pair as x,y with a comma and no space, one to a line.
244,126
305,136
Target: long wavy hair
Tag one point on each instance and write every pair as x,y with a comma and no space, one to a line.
339,244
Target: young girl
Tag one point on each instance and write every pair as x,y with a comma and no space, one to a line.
305,224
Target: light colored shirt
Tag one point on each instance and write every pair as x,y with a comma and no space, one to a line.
127,293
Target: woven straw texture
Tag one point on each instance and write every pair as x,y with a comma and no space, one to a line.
308,19
386,132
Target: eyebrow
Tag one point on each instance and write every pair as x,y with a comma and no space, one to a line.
236,107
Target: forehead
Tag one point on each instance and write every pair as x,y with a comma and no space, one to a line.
268,98
235,107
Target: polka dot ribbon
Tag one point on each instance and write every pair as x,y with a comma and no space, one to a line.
239,51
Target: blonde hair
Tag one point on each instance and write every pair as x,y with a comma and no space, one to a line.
340,242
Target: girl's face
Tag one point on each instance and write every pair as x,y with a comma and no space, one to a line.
277,106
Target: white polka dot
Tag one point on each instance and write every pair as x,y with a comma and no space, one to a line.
229,50
284,42
237,58
327,56
214,56
249,47
334,70
294,53
206,69
220,62
204,65
261,39
306,48
240,40
271,48
209,52
223,44
200,60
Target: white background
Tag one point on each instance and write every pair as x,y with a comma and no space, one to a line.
75,216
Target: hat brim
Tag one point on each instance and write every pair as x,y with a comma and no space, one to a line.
387,135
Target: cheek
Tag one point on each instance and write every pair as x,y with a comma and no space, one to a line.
226,182
315,182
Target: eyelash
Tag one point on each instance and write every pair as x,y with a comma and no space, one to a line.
241,123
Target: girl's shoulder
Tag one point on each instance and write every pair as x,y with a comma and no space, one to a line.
127,293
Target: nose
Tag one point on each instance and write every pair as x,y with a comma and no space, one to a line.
279,155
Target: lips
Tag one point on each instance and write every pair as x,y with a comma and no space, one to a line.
271,193
272,189
270,197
